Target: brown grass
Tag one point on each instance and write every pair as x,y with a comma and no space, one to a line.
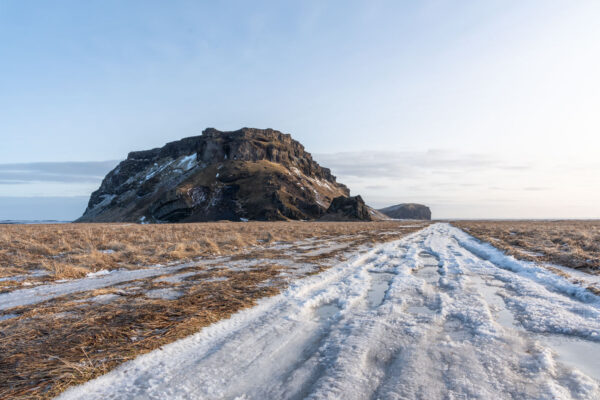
574,244
68,340
55,345
73,250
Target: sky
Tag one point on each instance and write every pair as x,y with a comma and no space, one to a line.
477,109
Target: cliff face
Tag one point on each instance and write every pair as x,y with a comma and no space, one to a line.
407,211
254,174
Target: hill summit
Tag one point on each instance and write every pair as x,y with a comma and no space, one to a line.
248,174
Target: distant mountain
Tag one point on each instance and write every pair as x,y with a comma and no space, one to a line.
407,211
248,174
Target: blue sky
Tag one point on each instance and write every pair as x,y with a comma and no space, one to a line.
479,109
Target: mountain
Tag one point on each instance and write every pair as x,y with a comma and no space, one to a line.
407,211
253,174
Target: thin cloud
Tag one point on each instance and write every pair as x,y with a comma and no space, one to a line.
64,172
401,165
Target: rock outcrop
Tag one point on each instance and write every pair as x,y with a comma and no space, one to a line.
407,211
345,208
253,174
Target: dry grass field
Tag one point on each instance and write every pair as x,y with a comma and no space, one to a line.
574,244
209,271
74,250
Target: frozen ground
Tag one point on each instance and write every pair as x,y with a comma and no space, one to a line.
169,273
97,280
436,315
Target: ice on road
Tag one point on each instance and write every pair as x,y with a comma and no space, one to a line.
436,315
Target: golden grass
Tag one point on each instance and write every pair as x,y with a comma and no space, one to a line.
73,250
574,244
69,340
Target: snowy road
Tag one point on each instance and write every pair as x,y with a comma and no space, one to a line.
436,315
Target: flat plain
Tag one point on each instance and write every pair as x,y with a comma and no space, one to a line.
76,300
574,244
553,244
408,309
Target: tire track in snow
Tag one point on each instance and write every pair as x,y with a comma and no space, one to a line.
457,319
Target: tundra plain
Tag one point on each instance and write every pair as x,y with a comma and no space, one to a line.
76,300
292,309
574,244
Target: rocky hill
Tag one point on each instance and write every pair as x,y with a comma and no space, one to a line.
345,208
407,211
254,174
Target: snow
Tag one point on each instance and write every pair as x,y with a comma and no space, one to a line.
104,278
156,169
171,168
188,162
296,171
319,199
97,280
584,277
436,314
103,298
164,293
102,272
321,183
33,274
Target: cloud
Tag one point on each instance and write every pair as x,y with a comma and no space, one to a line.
65,172
470,185
402,165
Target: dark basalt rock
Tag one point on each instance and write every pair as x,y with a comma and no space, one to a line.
345,208
407,211
256,174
